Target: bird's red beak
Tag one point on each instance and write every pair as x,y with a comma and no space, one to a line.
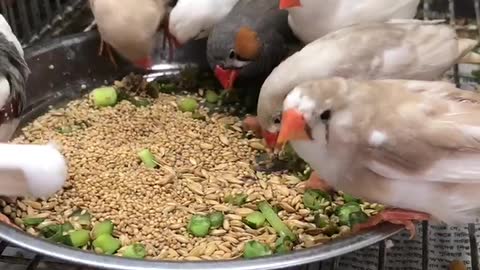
284,4
293,127
145,63
270,139
226,77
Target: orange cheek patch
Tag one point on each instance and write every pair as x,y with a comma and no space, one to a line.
247,43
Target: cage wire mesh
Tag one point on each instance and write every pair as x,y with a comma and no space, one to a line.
36,20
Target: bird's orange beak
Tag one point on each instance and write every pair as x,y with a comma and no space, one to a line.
145,63
294,127
226,77
284,4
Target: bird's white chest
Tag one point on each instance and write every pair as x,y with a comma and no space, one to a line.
327,165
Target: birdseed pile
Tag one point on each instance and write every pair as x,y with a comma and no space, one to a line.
202,164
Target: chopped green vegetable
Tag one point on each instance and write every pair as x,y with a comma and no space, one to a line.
330,229
358,218
64,130
321,221
188,105
349,198
212,97
275,221
237,200
152,90
147,158
316,199
104,96
255,220
199,225
136,251
60,236
254,249
107,244
167,87
50,230
198,116
283,245
140,102
32,221
100,228
345,211
82,217
78,238
216,220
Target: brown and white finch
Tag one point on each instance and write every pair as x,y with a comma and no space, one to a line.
412,145
410,49
312,19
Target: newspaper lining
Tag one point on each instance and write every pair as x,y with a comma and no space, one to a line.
446,243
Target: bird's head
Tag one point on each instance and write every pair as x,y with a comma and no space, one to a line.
308,110
246,49
286,4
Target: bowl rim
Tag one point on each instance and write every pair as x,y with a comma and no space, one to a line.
334,248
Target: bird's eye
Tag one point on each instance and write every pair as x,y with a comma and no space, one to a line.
277,119
232,54
325,116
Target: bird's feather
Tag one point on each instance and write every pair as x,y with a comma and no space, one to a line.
441,126
318,18
406,144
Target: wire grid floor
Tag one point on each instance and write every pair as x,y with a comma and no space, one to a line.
41,19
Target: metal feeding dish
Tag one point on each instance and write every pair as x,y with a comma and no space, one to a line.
63,70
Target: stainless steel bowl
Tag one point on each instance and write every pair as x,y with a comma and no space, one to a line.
64,69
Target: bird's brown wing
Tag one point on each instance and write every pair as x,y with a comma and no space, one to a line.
433,135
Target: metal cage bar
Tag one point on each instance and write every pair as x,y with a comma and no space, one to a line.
33,20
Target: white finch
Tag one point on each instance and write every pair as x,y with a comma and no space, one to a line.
130,26
194,19
412,145
312,19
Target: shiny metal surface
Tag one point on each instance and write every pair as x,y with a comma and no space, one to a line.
64,69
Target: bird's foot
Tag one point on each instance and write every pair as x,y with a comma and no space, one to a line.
6,220
395,216
315,182
168,37
105,47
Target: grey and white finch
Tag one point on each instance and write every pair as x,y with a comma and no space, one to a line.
312,19
245,46
412,145
14,73
408,50
194,19
130,26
